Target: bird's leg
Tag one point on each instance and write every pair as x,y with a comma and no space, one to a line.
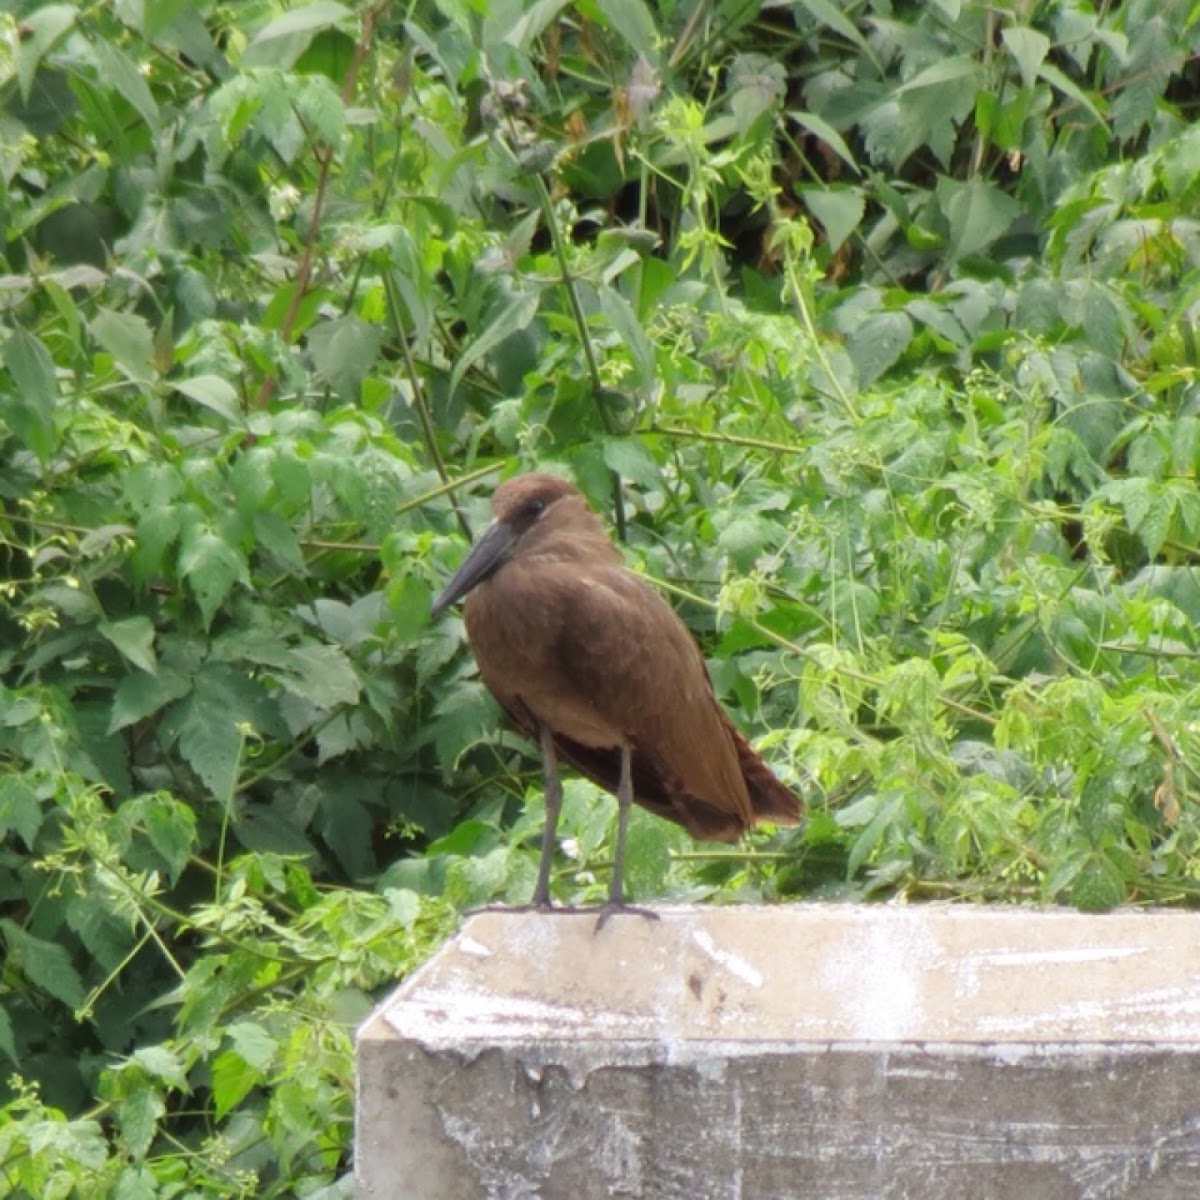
616,889
552,788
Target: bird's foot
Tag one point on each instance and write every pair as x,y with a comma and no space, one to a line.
618,908
611,908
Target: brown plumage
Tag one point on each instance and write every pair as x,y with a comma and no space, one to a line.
595,666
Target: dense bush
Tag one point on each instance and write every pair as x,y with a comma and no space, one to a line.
871,326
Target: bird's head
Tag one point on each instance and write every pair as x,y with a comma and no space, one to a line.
524,509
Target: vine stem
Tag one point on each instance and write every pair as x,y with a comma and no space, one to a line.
324,156
585,338
420,402
784,643
569,283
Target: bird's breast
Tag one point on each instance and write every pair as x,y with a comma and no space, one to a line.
515,626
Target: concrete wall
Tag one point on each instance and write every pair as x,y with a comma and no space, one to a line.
819,1052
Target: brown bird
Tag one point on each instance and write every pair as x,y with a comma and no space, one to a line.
592,664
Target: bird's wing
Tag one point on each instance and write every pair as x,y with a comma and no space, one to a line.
622,649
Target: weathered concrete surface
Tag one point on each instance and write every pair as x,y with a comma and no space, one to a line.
829,1053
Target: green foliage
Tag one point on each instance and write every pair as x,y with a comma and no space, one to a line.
874,330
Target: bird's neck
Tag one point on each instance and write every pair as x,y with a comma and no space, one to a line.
569,545
573,535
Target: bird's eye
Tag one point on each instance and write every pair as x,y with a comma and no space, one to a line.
534,508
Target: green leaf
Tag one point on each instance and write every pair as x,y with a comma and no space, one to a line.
954,69
129,340
171,827
472,881
1098,886
623,319
940,319
344,351
7,1045
306,19
32,368
1148,510
140,695
1056,79
330,53
910,694
757,84
232,1080
348,624
1105,320
151,486
347,826
116,69
465,716
404,906
275,533
416,293
1028,48
211,567
101,928
511,318
214,752
633,21
322,675
630,459
20,810
138,1115
214,393
134,638
45,964
840,211
1155,56
283,42
213,723
531,21
17,710
41,30
30,410
827,13
977,212
137,1183
256,1046
821,129
883,810
408,601
337,737
1040,304
877,343
1180,165
744,537
925,111
647,854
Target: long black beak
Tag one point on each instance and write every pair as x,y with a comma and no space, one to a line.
491,549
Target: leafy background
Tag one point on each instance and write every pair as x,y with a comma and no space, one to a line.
871,327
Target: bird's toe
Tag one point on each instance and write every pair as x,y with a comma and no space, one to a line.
615,908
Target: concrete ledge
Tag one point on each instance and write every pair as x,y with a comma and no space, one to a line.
829,1053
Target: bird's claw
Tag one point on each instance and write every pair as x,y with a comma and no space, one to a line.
615,908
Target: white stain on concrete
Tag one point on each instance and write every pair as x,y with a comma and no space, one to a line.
733,963
882,981
1064,955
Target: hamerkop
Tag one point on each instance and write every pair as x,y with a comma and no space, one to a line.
593,664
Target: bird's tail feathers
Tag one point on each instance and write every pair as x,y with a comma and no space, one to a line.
770,799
